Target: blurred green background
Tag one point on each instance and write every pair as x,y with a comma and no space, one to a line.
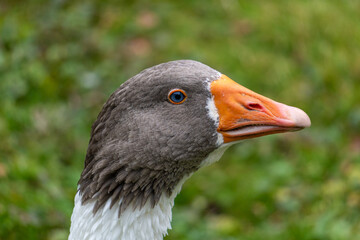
60,60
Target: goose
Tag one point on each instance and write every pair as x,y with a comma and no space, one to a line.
152,134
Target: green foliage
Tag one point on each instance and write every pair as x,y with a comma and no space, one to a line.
60,60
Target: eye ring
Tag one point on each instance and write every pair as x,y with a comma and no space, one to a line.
177,96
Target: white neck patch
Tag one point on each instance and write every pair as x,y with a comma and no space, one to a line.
140,224
146,223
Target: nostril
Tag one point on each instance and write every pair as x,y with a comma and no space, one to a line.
254,106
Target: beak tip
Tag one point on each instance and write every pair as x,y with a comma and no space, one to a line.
299,117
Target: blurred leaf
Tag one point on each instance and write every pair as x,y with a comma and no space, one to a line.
60,60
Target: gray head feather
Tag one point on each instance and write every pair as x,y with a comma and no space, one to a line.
142,145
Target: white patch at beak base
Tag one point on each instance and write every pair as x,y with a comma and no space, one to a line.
214,115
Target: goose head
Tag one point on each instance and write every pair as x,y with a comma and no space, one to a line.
154,132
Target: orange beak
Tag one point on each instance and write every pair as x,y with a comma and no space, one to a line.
245,114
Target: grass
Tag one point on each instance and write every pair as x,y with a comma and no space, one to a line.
60,60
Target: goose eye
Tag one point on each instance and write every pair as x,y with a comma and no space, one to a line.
177,96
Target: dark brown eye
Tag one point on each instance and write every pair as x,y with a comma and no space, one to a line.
177,96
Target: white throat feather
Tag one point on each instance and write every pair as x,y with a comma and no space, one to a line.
139,224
